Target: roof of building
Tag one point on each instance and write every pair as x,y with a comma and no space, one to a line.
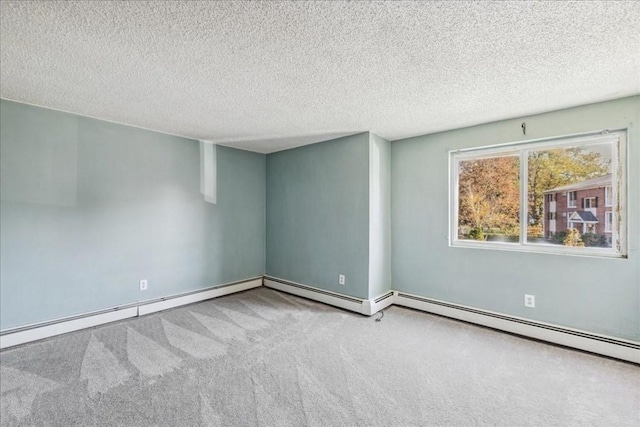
601,181
585,216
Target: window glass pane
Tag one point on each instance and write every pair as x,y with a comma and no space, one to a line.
489,199
609,196
567,195
608,221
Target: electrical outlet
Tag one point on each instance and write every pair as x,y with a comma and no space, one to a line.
530,301
143,285
341,279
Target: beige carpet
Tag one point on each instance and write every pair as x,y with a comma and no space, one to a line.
264,358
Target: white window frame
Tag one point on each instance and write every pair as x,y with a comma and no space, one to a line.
608,196
572,202
617,138
608,222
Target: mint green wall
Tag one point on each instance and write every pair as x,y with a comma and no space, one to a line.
593,294
318,214
89,208
379,215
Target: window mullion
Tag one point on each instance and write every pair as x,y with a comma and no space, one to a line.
524,195
454,202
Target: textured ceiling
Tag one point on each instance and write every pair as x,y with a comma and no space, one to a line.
270,75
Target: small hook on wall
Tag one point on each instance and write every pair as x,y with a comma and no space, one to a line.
524,128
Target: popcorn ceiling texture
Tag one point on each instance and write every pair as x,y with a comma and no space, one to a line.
265,76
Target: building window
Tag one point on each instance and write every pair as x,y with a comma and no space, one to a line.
502,194
608,222
608,196
590,202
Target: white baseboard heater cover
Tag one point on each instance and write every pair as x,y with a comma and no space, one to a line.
166,303
367,307
37,331
52,328
582,340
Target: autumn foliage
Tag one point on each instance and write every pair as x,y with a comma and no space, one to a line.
489,195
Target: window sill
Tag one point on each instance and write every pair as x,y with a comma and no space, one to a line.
590,252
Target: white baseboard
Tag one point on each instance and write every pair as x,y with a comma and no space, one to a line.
600,344
218,291
62,326
367,307
583,340
374,305
315,294
65,326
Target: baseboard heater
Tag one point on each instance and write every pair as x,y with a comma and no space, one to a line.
37,331
367,307
582,340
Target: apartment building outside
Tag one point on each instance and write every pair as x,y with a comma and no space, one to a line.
586,206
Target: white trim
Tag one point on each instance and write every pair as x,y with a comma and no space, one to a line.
585,138
575,338
376,227
608,196
524,197
38,333
371,307
368,307
620,190
332,298
540,248
569,337
60,326
608,221
215,292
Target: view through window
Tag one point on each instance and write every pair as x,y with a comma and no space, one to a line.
561,193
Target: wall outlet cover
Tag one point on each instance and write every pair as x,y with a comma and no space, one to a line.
143,285
530,301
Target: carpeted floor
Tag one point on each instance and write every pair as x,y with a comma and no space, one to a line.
266,358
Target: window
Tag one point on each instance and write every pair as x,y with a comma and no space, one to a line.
502,194
590,202
608,222
608,196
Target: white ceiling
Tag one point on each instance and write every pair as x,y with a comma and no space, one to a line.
265,76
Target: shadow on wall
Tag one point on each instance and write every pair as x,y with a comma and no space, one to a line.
90,208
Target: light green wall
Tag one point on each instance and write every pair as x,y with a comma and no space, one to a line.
89,208
318,214
594,294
